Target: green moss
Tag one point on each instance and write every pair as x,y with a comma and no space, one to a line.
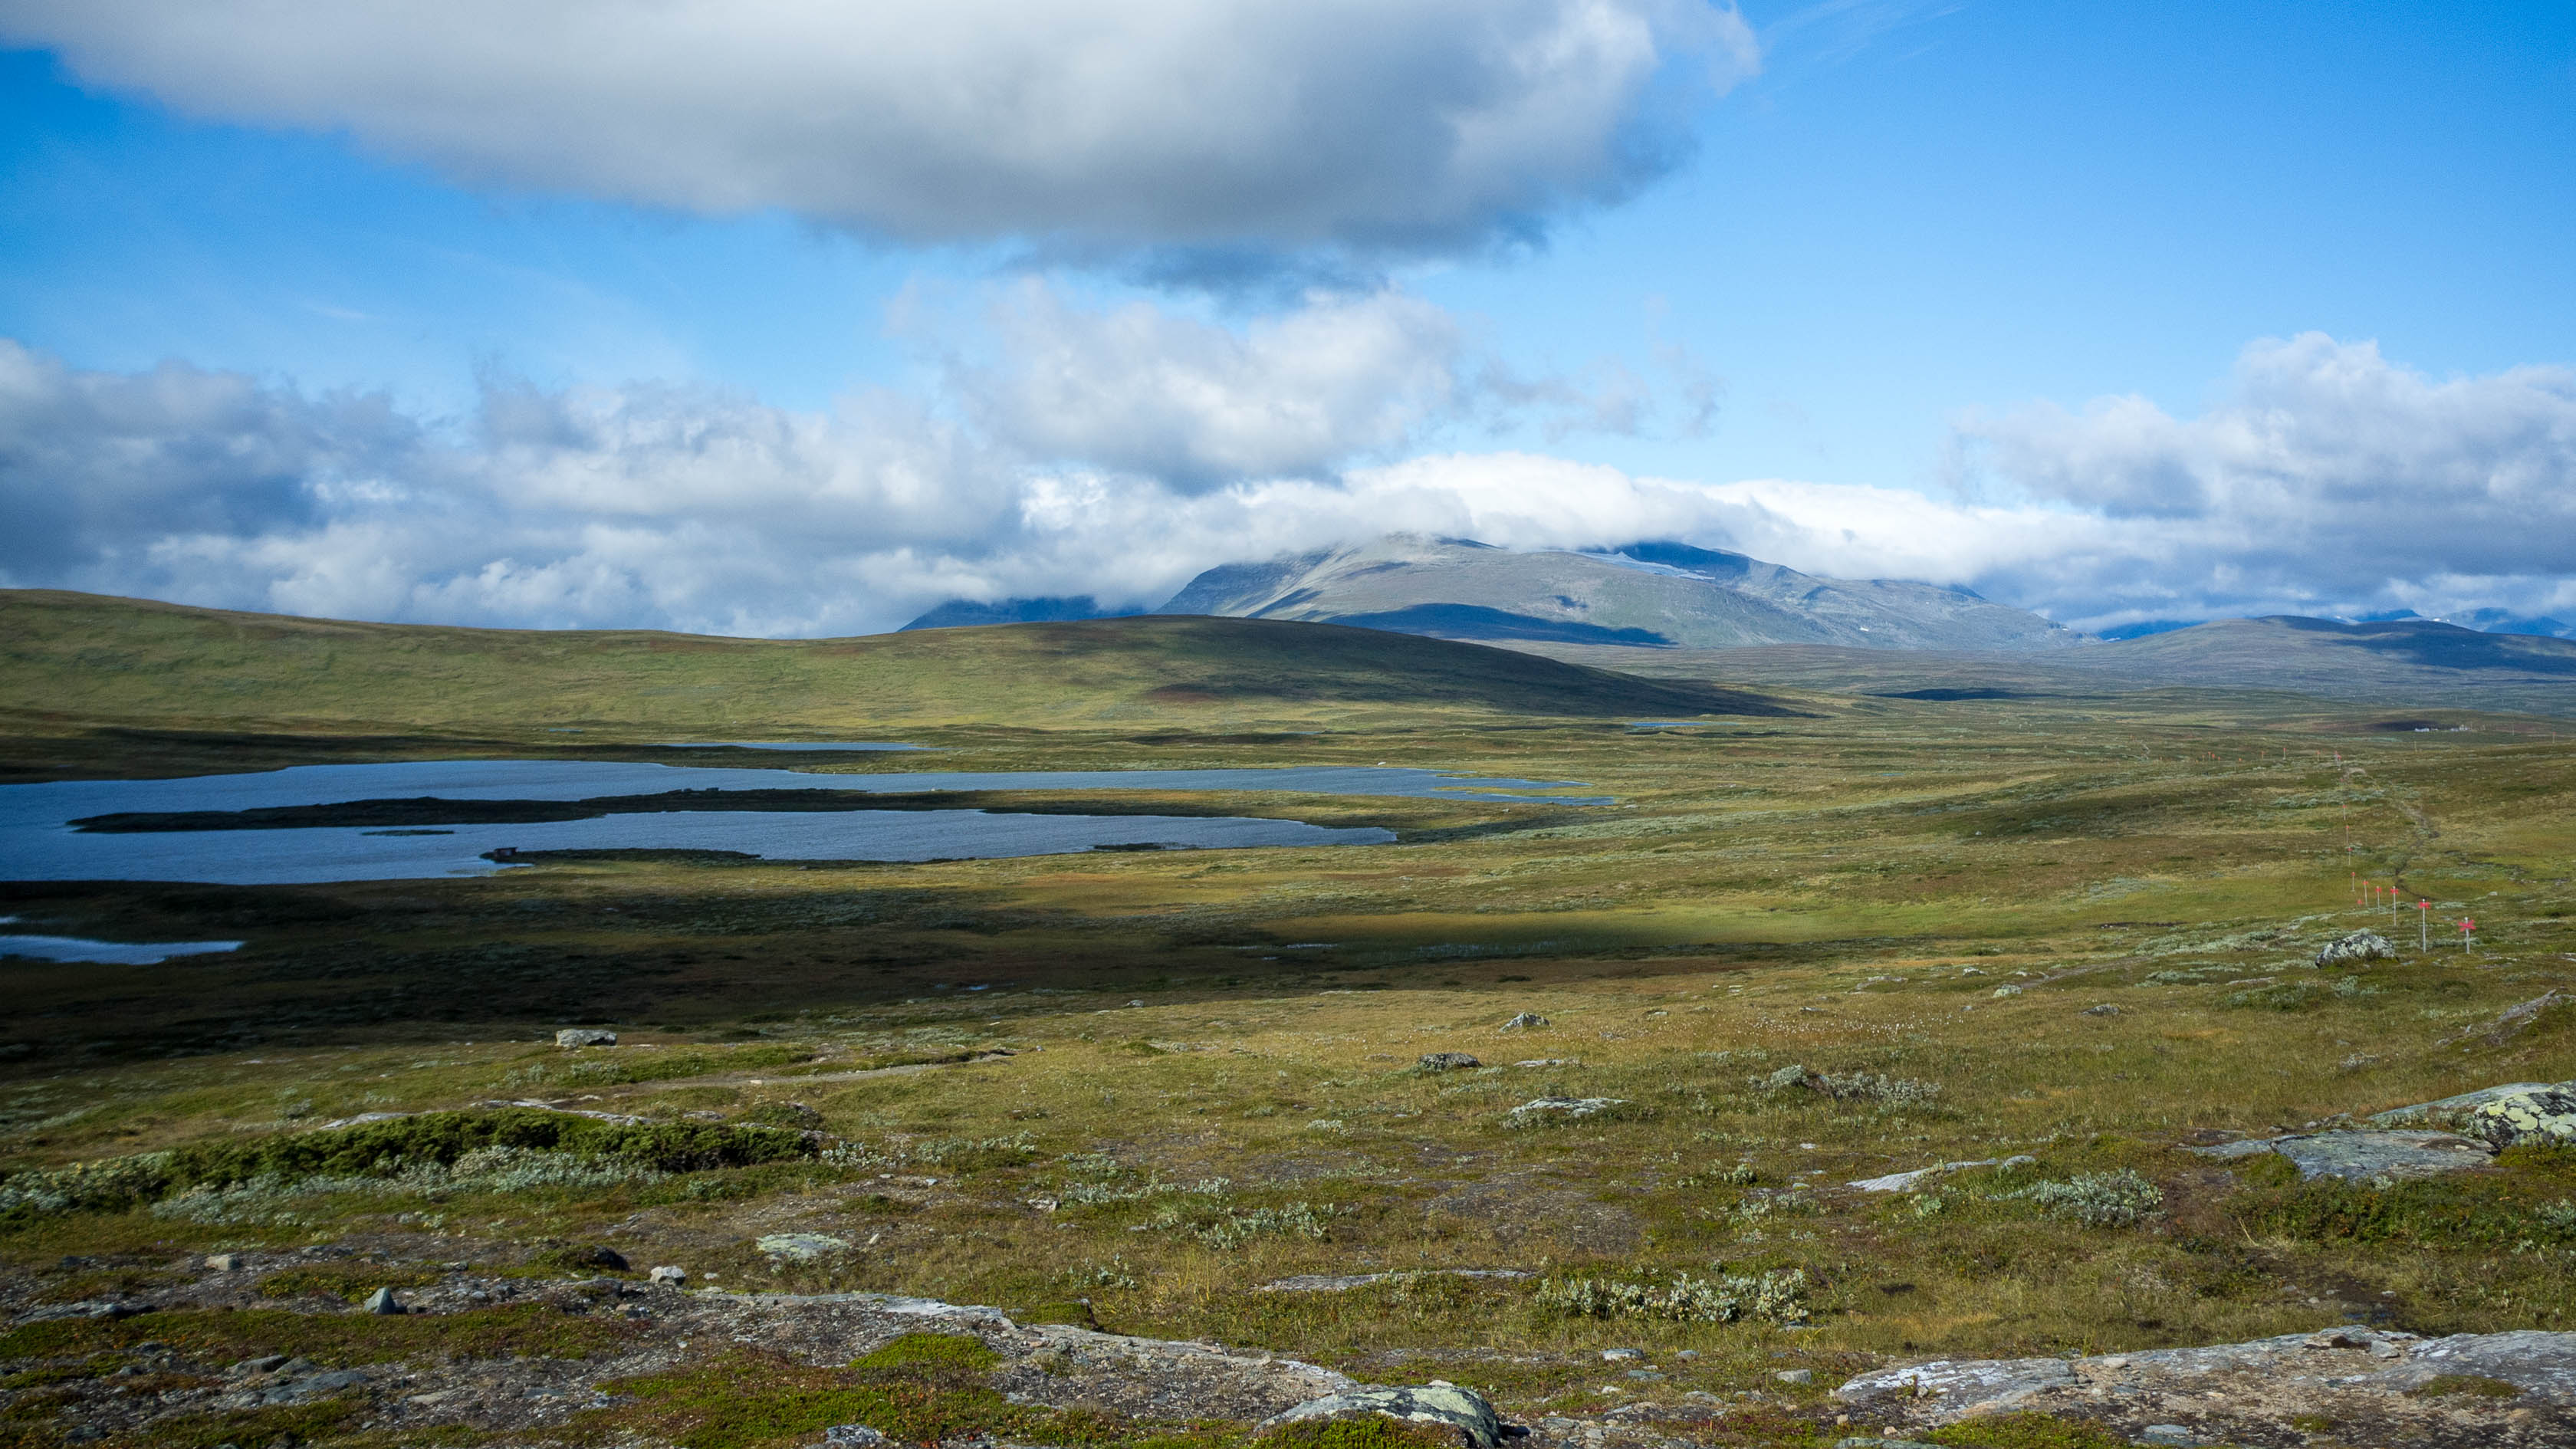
954,1351
2027,1431
2471,1385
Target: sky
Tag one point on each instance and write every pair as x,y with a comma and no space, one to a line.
798,317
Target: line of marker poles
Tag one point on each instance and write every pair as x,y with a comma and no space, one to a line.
2369,893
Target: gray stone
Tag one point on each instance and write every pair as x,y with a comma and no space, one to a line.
1544,1108
2007,991
584,1036
1621,1355
2172,1434
1526,1021
1796,1376
2364,1156
1907,1181
2542,1115
860,1436
1961,1387
801,1247
224,1262
2105,1009
675,1277
2450,1109
1447,1062
1436,1403
2355,949
383,1301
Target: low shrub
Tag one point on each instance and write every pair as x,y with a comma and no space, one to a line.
2121,1199
1779,1298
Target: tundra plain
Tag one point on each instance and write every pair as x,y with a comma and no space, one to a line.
1197,1095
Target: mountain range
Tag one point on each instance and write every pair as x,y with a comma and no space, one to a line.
1656,594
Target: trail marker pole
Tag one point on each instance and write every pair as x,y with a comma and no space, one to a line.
2468,929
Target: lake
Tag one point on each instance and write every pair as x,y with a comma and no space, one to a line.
37,841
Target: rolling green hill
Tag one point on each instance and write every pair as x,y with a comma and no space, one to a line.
82,659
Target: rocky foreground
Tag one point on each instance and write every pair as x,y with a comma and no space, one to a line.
2352,1386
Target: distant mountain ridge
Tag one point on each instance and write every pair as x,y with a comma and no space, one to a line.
1653,594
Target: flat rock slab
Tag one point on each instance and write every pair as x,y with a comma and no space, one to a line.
2367,1382
2365,1156
2452,1107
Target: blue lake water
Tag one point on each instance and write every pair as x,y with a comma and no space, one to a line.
37,841
113,953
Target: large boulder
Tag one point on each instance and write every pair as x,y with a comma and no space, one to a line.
1439,1403
2538,1115
574,1037
2356,949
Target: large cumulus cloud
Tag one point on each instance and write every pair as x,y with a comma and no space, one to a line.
2323,477
1221,125
2324,480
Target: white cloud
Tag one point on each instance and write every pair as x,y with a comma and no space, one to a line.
2325,477
2326,481
1228,124
1142,390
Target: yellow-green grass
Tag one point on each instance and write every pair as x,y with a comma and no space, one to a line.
83,661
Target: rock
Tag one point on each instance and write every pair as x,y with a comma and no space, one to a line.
860,1436
1796,1376
2007,991
1436,1403
1561,1108
2251,1392
1866,1442
2174,1434
1526,1021
224,1262
2541,1115
2105,1009
1905,1181
383,1301
2372,1157
2450,1109
584,1036
801,1247
1446,1062
2355,949
1621,1355
668,1276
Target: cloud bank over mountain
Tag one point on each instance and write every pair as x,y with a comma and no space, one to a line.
1238,127
1117,454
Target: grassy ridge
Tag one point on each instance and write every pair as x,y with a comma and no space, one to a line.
86,658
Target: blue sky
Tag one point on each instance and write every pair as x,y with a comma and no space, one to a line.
2114,312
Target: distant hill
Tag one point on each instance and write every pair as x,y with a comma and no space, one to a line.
71,659
969,613
1649,595
2394,663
